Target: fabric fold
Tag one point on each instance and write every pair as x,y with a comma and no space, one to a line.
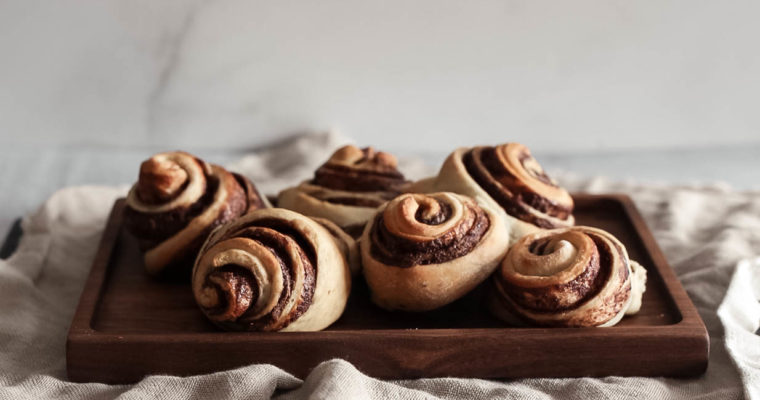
704,232
740,315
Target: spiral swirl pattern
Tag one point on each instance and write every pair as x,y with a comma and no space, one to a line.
418,229
347,188
422,251
177,201
271,270
572,277
360,170
509,177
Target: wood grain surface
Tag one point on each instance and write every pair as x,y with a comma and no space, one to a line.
128,326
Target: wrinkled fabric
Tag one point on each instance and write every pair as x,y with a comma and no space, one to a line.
708,235
740,314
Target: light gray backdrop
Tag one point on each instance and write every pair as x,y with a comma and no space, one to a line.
643,90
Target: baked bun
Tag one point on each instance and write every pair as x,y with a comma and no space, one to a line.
347,244
177,201
423,251
348,188
272,270
508,177
571,277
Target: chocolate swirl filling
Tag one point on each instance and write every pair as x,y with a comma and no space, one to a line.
351,169
571,295
177,202
457,242
585,286
254,200
153,228
340,177
484,166
238,291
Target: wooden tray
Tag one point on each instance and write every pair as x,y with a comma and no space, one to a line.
128,326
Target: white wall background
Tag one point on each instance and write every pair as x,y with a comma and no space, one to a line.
425,75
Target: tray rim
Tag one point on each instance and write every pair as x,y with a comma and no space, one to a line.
81,332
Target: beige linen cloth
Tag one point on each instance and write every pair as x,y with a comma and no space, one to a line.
707,234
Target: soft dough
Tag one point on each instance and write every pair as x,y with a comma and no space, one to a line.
272,270
177,201
510,180
573,277
423,251
348,188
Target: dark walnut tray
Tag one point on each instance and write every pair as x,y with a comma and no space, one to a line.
127,326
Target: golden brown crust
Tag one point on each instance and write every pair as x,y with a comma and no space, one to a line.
574,277
270,270
348,187
177,201
421,252
509,177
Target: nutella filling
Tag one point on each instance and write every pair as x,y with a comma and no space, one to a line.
151,229
550,298
438,218
254,199
154,228
237,295
485,168
589,283
340,177
461,240
278,236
